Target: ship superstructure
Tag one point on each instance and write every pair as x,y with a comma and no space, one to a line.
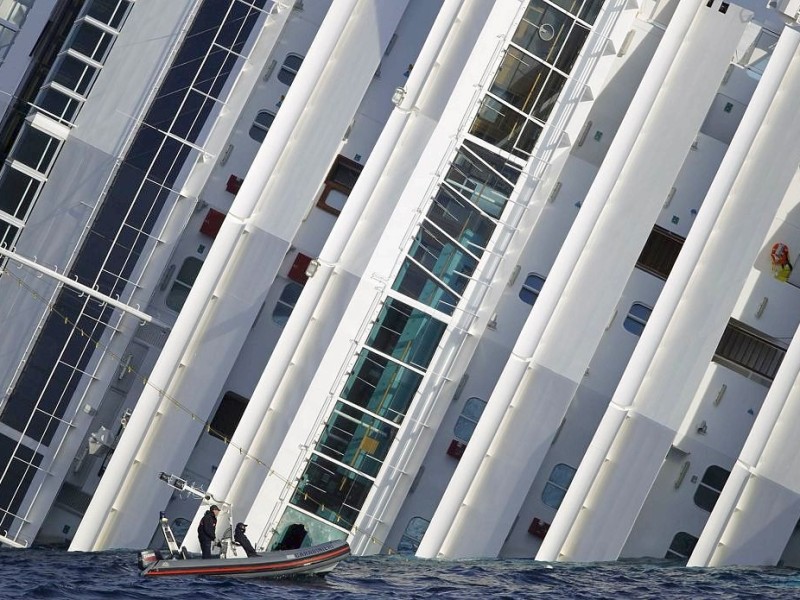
464,278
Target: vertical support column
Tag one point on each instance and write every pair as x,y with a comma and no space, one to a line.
600,271
101,520
629,447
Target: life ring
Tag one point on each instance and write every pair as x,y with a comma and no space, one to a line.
780,255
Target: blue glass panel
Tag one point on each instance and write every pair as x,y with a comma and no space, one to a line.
405,333
381,386
331,491
446,260
415,283
461,220
357,439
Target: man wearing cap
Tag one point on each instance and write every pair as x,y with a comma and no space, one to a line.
240,538
207,530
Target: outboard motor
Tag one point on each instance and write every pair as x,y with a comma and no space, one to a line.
147,558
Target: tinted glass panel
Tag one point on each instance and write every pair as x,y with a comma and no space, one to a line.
35,149
416,283
331,491
405,333
17,192
357,439
381,386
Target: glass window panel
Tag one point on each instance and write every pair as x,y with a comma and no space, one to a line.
705,497
17,192
531,288
183,283
527,139
473,408
715,477
286,302
474,174
519,79
461,220
637,318
331,491
91,41
381,386
572,48
110,12
15,11
357,439
562,475
74,74
412,537
35,149
552,495
446,260
548,96
464,429
7,37
682,545
542,30
8,235
405,333
497,123
571,6
261,125
57,104
289,68
590,10
415,283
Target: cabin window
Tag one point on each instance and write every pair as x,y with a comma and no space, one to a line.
412,536
660,252
557,485
227,417
12,16
36,149
637,318
340,182
261,125
17,192
749,353
682,546
710,487
291,64
285,304
110,12
183,283
91,41
531,288
74,74
468,419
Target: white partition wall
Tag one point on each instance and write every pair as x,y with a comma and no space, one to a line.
759,507
565,327
655,393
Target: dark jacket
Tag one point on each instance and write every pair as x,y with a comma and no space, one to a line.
207,530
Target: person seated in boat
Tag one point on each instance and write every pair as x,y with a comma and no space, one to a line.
240,538
207,530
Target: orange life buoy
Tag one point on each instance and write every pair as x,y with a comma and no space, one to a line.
780,254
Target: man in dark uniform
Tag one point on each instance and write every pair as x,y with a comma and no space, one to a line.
240,538
207,530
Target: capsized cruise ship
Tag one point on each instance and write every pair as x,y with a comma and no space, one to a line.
453,278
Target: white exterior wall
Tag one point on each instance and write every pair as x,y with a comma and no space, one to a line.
254,237
625,199
634,441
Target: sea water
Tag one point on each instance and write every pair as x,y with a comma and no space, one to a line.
48,573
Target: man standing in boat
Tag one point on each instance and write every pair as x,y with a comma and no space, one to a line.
207,530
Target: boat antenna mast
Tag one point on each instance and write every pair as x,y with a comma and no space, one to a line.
182,485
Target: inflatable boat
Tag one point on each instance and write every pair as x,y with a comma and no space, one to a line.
314,560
